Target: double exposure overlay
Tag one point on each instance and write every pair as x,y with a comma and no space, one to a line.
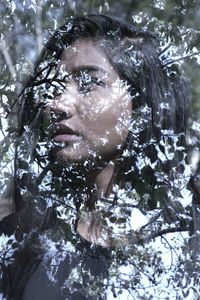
102,200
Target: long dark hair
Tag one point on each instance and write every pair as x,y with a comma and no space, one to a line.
159,101
151,167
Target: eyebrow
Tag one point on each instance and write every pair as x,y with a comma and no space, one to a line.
89,69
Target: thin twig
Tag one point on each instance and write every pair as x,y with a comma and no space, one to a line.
153,235
165,49
181,58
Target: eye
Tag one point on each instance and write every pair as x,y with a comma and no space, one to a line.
58,86
57,91
53,91
86,82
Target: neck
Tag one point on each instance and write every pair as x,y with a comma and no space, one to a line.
99,183
99,186
104,180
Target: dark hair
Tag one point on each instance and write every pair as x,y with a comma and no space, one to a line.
134,55
159,101
153,159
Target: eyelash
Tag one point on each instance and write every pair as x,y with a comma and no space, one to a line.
84,81
87,82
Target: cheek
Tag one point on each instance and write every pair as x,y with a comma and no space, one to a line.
108,130
113,102
106,116
122,114
92,106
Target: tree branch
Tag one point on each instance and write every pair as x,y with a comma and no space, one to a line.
181,58
8,59
153,235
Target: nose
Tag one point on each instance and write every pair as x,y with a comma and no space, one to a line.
64,106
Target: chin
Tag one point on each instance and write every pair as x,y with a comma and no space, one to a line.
68,154
81,155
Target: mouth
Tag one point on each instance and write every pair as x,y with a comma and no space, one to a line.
64,134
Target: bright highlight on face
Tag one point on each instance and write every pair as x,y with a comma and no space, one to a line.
93,111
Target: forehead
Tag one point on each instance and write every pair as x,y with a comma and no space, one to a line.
84,53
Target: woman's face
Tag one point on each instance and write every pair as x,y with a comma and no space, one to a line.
93,112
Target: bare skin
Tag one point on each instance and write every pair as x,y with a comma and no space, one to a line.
93,115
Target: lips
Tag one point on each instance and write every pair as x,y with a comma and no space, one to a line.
63,133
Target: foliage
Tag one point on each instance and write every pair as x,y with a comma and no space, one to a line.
138,269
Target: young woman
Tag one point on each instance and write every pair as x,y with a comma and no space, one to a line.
99,162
